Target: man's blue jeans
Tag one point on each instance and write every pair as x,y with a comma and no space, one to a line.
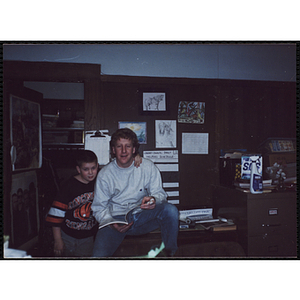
163,216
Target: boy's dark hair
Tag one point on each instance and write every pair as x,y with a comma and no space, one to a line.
124,133
85,156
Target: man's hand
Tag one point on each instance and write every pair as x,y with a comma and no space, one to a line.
120,227
148,202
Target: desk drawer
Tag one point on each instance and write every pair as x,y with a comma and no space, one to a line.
272,246
271,216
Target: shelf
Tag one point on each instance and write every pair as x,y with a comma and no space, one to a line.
63,124
63,129
63,144
62,147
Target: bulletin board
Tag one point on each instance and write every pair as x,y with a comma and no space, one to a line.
188,174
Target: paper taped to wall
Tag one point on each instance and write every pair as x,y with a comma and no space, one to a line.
168,167
170,156
194,143
98,142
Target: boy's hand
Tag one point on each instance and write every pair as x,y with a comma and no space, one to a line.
137,160
120,227
148,202
58,247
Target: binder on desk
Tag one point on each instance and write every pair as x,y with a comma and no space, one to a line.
98,142
219,225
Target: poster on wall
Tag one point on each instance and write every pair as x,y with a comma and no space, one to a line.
165,133
25,134
191,112
154,102
195,143
24,208
98,142
140,128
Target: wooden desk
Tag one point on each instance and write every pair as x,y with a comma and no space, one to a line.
267,223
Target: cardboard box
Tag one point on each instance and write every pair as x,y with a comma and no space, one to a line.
280,158
246,165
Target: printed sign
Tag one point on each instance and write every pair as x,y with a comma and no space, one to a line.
246,166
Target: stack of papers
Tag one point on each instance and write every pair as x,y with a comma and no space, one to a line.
245,186
193,216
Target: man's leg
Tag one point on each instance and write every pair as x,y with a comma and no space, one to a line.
169,227
163,216
107,241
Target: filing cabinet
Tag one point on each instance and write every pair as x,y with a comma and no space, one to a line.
267,223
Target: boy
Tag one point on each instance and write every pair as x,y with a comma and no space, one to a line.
70,216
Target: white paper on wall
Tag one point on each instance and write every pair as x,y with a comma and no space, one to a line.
168,156
194,143
168,167
170,184
174,201
98,144
172,193
165,133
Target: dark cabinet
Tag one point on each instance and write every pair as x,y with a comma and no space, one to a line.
267,223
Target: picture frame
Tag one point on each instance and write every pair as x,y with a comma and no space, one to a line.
165,134
25,134
154,102
191,112
140,129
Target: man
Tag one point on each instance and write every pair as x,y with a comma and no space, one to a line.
121,188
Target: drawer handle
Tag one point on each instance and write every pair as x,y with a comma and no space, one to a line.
273,249
272,225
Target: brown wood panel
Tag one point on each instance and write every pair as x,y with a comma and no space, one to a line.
49,71
93,104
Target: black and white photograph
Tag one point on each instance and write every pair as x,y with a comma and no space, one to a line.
154,102
165,133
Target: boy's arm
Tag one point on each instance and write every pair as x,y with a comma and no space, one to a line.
137,160
156,190
58,242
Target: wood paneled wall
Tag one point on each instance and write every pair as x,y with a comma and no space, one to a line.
239,115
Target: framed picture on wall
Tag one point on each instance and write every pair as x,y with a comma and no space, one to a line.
165,133
25,134
24,208
191,112
154,103
140,128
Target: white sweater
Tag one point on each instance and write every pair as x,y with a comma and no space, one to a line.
118,190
